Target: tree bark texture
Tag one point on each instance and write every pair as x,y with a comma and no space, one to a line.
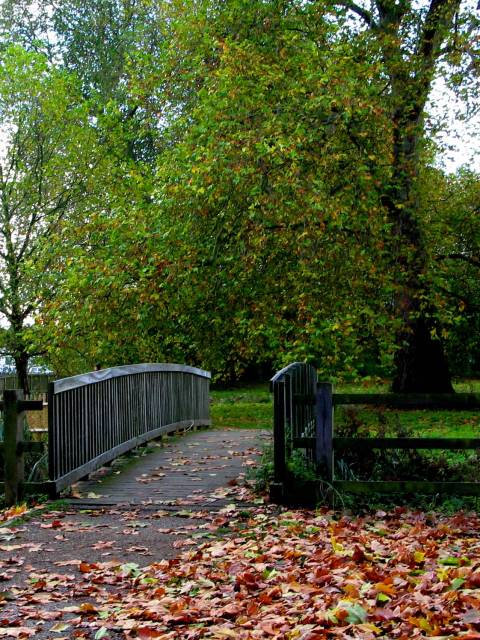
420,362
21,365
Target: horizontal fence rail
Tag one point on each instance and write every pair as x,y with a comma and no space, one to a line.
299,405
95,417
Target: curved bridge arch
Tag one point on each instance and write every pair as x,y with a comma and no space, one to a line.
97,416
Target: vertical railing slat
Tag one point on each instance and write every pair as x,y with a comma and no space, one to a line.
324,430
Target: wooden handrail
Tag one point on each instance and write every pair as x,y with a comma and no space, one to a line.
84,379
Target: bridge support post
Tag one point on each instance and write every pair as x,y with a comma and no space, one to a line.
277,487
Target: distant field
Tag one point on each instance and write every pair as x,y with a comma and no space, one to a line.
247,407
251,407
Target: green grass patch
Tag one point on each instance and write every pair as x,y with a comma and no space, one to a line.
467,386
383,386
252,407
441,423
438,423
366,386
428,423
248,407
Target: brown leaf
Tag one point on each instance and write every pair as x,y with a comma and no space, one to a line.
55,524
148,632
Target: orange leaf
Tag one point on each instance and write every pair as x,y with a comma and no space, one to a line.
149,632
382,587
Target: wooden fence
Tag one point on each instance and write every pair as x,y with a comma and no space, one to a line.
95,417
37,382
296,429
13,447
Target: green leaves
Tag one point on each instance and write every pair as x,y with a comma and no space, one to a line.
48,154
238,191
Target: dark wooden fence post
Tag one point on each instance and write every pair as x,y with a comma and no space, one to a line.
53,494
324,430
13,420
279,461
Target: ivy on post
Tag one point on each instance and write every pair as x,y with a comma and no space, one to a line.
13,416
324,430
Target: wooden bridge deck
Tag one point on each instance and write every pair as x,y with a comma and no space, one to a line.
202,468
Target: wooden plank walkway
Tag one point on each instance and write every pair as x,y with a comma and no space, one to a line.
202,468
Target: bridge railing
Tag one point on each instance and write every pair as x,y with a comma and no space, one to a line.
294,390
95,417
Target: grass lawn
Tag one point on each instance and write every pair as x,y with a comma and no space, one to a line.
425,423
248,407
251,407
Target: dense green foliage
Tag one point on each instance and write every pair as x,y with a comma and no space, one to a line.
256,187
48,155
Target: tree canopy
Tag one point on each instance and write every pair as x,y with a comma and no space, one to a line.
266,189
44,174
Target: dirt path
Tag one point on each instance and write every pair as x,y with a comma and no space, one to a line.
142,510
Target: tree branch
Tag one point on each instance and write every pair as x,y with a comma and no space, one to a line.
366,16
470,306
460,256
440,14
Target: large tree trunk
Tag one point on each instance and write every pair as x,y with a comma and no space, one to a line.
420,364
420,361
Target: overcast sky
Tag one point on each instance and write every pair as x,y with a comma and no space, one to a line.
461,139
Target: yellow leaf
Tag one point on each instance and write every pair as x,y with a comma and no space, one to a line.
337,547
60,627
419,557
389,589
442,574
224,632
421,623
366,626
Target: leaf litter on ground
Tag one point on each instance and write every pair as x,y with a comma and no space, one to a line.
270,573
